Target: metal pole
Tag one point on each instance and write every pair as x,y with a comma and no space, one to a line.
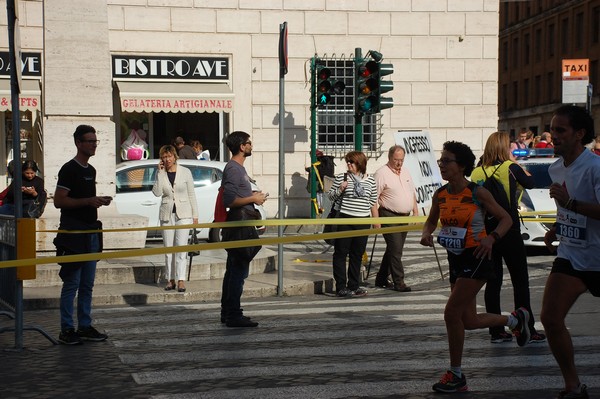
281,204
313,139
358,125
15,64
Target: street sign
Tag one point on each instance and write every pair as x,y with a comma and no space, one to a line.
420,160
575,80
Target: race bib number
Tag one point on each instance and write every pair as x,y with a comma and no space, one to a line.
571,228
452,238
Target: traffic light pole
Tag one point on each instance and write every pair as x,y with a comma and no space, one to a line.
313,139
358,125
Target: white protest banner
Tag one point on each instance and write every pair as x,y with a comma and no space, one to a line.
420,160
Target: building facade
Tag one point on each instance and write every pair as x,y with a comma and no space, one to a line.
535,38
203,68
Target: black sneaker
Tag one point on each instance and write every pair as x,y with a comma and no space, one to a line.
501,337
522,330
241,322
450,383
345,293
224,319
91,334
69,337
359,292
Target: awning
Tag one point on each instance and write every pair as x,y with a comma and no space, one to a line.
175,97
29,99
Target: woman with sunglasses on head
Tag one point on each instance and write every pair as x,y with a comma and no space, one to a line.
460,206
354,194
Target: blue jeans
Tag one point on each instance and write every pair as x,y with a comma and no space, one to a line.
78,279
236,271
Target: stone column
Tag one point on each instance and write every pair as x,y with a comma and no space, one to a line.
77,86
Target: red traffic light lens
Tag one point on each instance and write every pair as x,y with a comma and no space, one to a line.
324,73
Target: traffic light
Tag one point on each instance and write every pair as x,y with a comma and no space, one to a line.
325,86
370,87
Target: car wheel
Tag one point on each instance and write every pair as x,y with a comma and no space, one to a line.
214,235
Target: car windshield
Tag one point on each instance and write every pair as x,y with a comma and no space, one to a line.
539,171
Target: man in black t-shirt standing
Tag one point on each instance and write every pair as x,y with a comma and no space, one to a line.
76,198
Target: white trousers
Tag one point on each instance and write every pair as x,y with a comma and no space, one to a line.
175,263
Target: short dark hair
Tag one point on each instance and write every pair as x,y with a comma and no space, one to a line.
235,139
579,119
464,155
81,131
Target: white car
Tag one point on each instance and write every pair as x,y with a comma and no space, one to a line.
134,181
537,198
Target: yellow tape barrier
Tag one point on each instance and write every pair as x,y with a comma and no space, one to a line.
412,223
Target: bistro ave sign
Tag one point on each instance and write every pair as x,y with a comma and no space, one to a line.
172,68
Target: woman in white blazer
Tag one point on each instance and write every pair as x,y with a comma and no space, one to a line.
175,185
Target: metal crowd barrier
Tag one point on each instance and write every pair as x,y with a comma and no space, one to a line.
12,232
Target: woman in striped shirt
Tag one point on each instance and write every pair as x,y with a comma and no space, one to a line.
354,194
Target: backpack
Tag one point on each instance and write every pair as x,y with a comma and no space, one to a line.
220,210
495,187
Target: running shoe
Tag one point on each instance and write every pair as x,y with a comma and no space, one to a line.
574,395
359,292
501,337
537,338
450,383
522,330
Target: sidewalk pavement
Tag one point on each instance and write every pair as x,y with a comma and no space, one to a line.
130,281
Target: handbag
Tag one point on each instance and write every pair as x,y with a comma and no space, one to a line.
35,208
241,233
332,228
193,240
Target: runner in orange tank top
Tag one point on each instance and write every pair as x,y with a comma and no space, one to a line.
460,205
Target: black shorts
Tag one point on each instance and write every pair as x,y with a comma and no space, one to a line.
466,265
590,279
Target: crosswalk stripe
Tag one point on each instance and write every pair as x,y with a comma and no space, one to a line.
381,389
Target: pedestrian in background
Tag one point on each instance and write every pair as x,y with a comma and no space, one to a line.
175,185
576,191
32,190
545,141
355,195
240,199
460,206
496,164
184,151
76,198
395,197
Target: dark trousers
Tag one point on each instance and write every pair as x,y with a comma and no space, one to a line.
512,250
236,271
352,248
392,258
